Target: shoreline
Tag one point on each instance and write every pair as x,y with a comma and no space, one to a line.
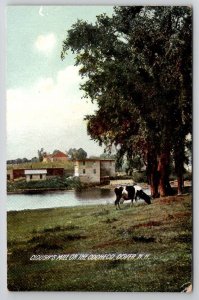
38,191
112,185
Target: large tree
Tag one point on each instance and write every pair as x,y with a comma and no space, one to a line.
137,66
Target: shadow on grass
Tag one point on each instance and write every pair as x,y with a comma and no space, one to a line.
143,239
54,238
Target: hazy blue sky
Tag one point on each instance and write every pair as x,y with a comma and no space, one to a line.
44,105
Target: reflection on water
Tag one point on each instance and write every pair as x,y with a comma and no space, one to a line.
61,199
94,194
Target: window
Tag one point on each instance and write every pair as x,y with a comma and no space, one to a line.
84,171
94,171
84,163
30,176
40,176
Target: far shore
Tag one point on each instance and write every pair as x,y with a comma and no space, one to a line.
111,185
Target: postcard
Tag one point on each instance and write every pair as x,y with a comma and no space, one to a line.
99,148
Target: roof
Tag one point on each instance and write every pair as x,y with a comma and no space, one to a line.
35,172
59,154
93,159
107,159
23,169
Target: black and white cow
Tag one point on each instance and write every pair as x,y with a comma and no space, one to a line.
130,192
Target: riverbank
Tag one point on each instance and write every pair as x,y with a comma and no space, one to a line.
39,191
13,187
163,230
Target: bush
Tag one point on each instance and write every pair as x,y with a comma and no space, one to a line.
139,176
188,176
120,177
51,183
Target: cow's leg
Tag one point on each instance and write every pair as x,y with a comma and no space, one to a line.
121,200
117,202
131,204
136,199
136,196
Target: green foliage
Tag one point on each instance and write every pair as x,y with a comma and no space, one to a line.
118,177
52,183
188,176
67,165
138,69
77,153
41,154
107,156
139,177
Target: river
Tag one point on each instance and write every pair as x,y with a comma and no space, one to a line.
16,202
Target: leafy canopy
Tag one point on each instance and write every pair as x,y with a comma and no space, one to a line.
137,66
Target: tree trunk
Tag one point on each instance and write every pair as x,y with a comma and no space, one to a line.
169,189
179,167
179,172
152,173
180,184
154,180
162,185
163,167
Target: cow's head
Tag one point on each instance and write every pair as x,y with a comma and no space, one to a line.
144,196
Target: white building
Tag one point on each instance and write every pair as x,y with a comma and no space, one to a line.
94,170
32,175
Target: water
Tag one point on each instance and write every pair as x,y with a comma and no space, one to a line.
61,199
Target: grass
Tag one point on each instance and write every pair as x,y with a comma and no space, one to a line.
163,229
67,165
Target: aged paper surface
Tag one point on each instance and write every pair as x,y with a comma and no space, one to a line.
99,148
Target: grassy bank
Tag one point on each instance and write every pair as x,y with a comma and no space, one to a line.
162,229
67,165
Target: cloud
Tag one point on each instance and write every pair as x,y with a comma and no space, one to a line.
47,100
41,11
45,43
49,114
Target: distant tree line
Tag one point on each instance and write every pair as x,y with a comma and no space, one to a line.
73,154
22,160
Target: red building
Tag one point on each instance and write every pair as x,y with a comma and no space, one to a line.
57,156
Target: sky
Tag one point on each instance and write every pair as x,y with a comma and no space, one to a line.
45,108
